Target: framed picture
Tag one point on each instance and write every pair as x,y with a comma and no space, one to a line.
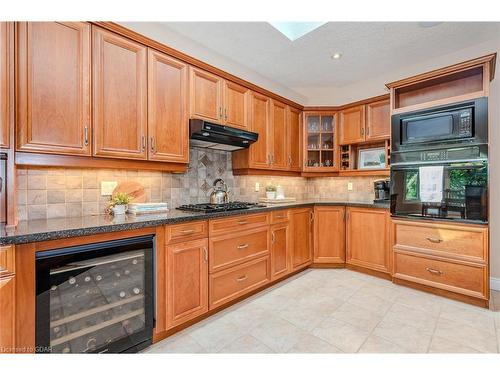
371,158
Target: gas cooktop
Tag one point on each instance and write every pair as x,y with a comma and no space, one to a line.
209,207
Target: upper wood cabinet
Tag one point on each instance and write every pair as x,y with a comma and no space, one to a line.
378,121
53,92
168,120
320,142
278,149
119,96
352,125
329,234
236,99
6,82
187,281
260,107
294,136
301,221
206,95
368,238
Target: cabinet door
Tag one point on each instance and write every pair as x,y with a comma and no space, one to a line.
7,313
187,281
352,125
378,121
205,95
54,87
329,234
279,150
120,96
280,250
301,234
259,115
294,137
367,238
236,105
6,91
168,122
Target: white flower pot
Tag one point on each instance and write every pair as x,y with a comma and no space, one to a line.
119,209
271,194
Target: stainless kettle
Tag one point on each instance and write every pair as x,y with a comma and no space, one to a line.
220,194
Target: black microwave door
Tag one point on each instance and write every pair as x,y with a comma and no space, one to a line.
428,128
464,193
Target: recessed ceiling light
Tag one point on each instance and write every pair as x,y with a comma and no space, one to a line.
295,30
336,56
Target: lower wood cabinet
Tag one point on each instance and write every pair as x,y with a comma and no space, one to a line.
367,232
301,220
329,234
7,299
280,250
187,281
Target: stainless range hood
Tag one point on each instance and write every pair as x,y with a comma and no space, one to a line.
205,134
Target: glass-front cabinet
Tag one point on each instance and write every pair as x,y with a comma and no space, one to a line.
320,142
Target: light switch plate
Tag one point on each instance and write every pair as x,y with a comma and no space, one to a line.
349,186
107,187
257,186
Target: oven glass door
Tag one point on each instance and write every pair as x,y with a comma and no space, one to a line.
458,192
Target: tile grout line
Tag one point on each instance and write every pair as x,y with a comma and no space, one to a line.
435,328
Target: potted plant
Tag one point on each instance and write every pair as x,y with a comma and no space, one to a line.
271,191
118,204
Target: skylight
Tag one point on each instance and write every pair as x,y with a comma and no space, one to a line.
295,30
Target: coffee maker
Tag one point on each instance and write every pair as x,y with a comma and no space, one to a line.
381,188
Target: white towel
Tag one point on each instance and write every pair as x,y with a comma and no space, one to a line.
431,184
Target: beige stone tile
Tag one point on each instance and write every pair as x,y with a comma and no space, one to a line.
369,301
411,338
246,344
248,316
416,318
37,171
357,316
56,196
36,197
37,182
341,291
22,197
90,208
90,195
441,345
90,182
74,182
342,335
313,344
216,334
465,335
74,209
36,212
376,344
176,344
56,182
22,213
56,210
420,301
475,317
74,196
271,301
21,182
278,334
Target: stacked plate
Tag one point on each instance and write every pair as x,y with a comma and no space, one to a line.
147,208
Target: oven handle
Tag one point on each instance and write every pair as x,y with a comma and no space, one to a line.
442,162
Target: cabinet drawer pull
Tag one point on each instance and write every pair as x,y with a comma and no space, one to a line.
205,254
143,141
225,114
242,278
86,135
434,240
273,237
153,145
433,271
362,131
187,231
280,217
220,113
242,222
242,246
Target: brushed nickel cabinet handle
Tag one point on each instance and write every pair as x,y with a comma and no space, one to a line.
187,231
143,140
242,222
362,131
86,135
242,278
311,215
367,130
433,271
242,246
280,217
273,237
220,113
205,254
153,144
225,114
434,240
289,159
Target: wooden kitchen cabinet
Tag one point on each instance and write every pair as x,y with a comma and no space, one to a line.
378,121
320,142
280,250
278,149
367,232
53,100
236,99
352,125
187,281
119,96
301,225
6,82
7,299
329,234
294,136
168,122
259,152
206,96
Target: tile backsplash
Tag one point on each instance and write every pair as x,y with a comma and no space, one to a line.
68,192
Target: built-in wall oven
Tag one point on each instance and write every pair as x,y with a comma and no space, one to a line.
95,298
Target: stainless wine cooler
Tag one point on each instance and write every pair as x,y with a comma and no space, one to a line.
96,298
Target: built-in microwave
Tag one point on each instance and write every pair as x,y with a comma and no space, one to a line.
463,123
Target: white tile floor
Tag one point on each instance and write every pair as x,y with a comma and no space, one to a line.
334,311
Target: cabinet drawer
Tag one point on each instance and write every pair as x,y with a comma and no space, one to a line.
466,279
279,216
7,260
243,222
186,231
226,251
455,241
236,281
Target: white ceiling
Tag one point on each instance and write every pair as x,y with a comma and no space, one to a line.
368,48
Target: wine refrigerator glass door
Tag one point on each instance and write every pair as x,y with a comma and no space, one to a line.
95,298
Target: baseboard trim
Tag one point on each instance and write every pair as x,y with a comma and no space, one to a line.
495,283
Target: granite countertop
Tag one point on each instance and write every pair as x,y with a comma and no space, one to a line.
52,229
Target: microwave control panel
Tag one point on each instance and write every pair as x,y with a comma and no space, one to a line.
465,123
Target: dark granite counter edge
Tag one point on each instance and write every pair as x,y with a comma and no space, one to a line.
18,239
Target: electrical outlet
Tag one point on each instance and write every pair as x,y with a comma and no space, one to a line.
257,186
349,186
107,187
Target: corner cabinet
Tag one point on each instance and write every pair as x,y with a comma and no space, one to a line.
320,142
53,92
301,225
329,234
